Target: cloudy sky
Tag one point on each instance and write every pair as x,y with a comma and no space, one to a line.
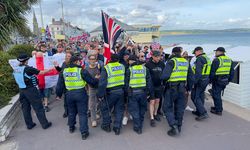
170,14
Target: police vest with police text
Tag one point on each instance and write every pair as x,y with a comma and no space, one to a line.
180,70
206,67
225,65
137,76
116,74
73,79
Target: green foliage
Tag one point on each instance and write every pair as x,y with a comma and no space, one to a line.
22,48
8,86
12,18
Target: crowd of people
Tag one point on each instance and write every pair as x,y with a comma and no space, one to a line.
136,79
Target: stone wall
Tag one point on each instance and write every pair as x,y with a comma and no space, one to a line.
9,116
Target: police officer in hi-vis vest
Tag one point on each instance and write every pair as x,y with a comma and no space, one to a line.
201,70
176,73
74,79
222,72
29,94
111,94
140,84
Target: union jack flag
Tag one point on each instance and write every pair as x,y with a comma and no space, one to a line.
47,33
111,31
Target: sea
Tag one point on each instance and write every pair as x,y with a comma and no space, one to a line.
221,38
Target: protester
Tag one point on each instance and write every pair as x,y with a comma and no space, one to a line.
94,69
155,67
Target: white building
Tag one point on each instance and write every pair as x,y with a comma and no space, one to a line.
62,28
237,92
130,30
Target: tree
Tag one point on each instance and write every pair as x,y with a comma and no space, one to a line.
12,18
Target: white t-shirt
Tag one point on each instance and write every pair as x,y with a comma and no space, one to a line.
59,58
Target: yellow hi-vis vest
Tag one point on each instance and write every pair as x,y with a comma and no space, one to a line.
180,70
225,66
137,76
206,67
116,74
73,79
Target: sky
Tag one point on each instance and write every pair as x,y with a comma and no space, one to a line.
170,14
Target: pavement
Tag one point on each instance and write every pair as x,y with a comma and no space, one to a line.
228,132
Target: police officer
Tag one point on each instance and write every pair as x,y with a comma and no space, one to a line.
176,73
29,94
74,79
111,94
201,70
222,72
139,84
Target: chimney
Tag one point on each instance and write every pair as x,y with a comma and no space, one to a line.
53,20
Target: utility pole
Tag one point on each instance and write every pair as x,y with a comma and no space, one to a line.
42,27
41,11
63,17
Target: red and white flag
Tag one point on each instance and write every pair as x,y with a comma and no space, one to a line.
47,80
111,31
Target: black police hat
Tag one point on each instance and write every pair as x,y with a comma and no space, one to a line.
23,57
156,53
222,49
75,58
176,50
114,57
197,49
132,57
126,53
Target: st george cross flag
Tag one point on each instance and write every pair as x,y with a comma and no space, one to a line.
111,31
47,80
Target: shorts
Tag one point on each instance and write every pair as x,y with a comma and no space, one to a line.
45,93
158,92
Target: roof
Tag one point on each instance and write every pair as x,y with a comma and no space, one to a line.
124,26
237,53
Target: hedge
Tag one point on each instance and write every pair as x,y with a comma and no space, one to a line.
22,48
8,86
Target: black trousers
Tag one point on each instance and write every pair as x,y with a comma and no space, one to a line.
31,97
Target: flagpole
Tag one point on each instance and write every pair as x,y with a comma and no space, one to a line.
41,11
63,18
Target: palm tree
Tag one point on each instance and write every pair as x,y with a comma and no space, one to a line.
12,18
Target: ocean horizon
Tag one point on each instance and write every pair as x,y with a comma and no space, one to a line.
221,38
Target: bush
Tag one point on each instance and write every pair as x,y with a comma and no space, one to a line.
8,86
22,48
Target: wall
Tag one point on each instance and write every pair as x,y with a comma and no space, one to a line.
240,93
9,115
245,84
143,37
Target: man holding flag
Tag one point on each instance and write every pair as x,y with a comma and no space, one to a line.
112,80
111,32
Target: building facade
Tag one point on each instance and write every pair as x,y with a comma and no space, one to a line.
61,28
147,33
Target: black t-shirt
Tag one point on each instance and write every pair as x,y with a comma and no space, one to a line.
30,71
155,70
